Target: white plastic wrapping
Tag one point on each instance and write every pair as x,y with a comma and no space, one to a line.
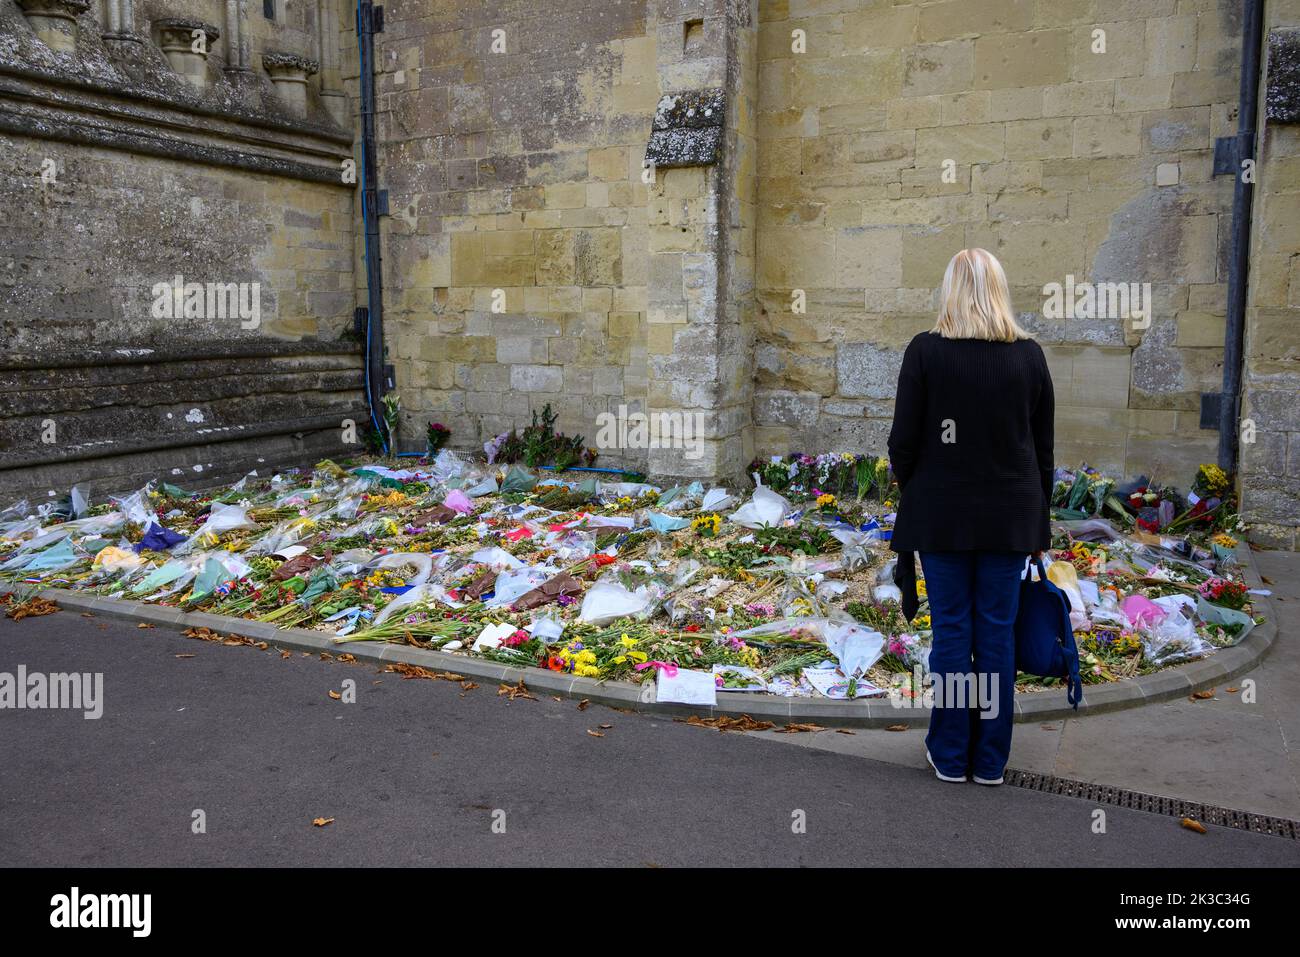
608,600
764,508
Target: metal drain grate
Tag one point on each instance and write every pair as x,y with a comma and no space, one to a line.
1154,804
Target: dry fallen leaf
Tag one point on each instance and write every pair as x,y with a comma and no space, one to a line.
606,726
514,691
583,704
335,695
596,734
798,728
1201,695
1194,825
322,821
207,634
896,727
33,607
1232,690
285,654
415,671
726,723
86,614
844,731
144,624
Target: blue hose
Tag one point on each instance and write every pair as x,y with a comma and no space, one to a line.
576,468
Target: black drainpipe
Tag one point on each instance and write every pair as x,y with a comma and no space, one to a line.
1229,154
370,20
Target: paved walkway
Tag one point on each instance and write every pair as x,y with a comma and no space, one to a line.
1219,751
426,772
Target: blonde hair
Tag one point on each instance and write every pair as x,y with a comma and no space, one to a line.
974,302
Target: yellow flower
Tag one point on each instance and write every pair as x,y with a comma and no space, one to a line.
627,642
825,499
621,659
707,524
638,656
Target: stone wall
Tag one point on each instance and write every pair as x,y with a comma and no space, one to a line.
1270,448
1062,161
119,172
733,210
515,256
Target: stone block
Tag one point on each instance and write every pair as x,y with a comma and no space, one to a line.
536,378
867,371
1035,58
938,68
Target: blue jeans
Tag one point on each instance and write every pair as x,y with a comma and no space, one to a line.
973,601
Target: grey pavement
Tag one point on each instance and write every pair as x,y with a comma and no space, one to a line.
418,772
1221,750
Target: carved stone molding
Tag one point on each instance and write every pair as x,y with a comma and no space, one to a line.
289,72
55,21
186,44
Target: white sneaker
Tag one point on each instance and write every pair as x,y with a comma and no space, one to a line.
945,777
987,782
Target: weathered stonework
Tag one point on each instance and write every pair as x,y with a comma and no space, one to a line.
732,209
1282,95
289,73
185,43
118,174
687,129
1270,437
55,21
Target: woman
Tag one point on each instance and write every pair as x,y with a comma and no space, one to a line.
971,447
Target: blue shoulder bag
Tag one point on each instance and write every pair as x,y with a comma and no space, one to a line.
1044,637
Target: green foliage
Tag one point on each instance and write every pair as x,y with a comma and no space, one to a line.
539,444
809,539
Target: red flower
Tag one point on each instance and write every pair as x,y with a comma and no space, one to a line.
691,627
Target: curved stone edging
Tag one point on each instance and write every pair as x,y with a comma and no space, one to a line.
1164,685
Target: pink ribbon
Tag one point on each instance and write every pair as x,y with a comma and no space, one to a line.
666,667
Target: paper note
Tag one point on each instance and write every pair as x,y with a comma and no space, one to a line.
830,683
687,687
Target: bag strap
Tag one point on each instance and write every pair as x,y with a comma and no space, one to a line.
1074,683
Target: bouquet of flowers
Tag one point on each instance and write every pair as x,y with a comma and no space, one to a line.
1223,591
437,436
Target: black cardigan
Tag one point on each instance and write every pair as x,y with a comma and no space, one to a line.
971,447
